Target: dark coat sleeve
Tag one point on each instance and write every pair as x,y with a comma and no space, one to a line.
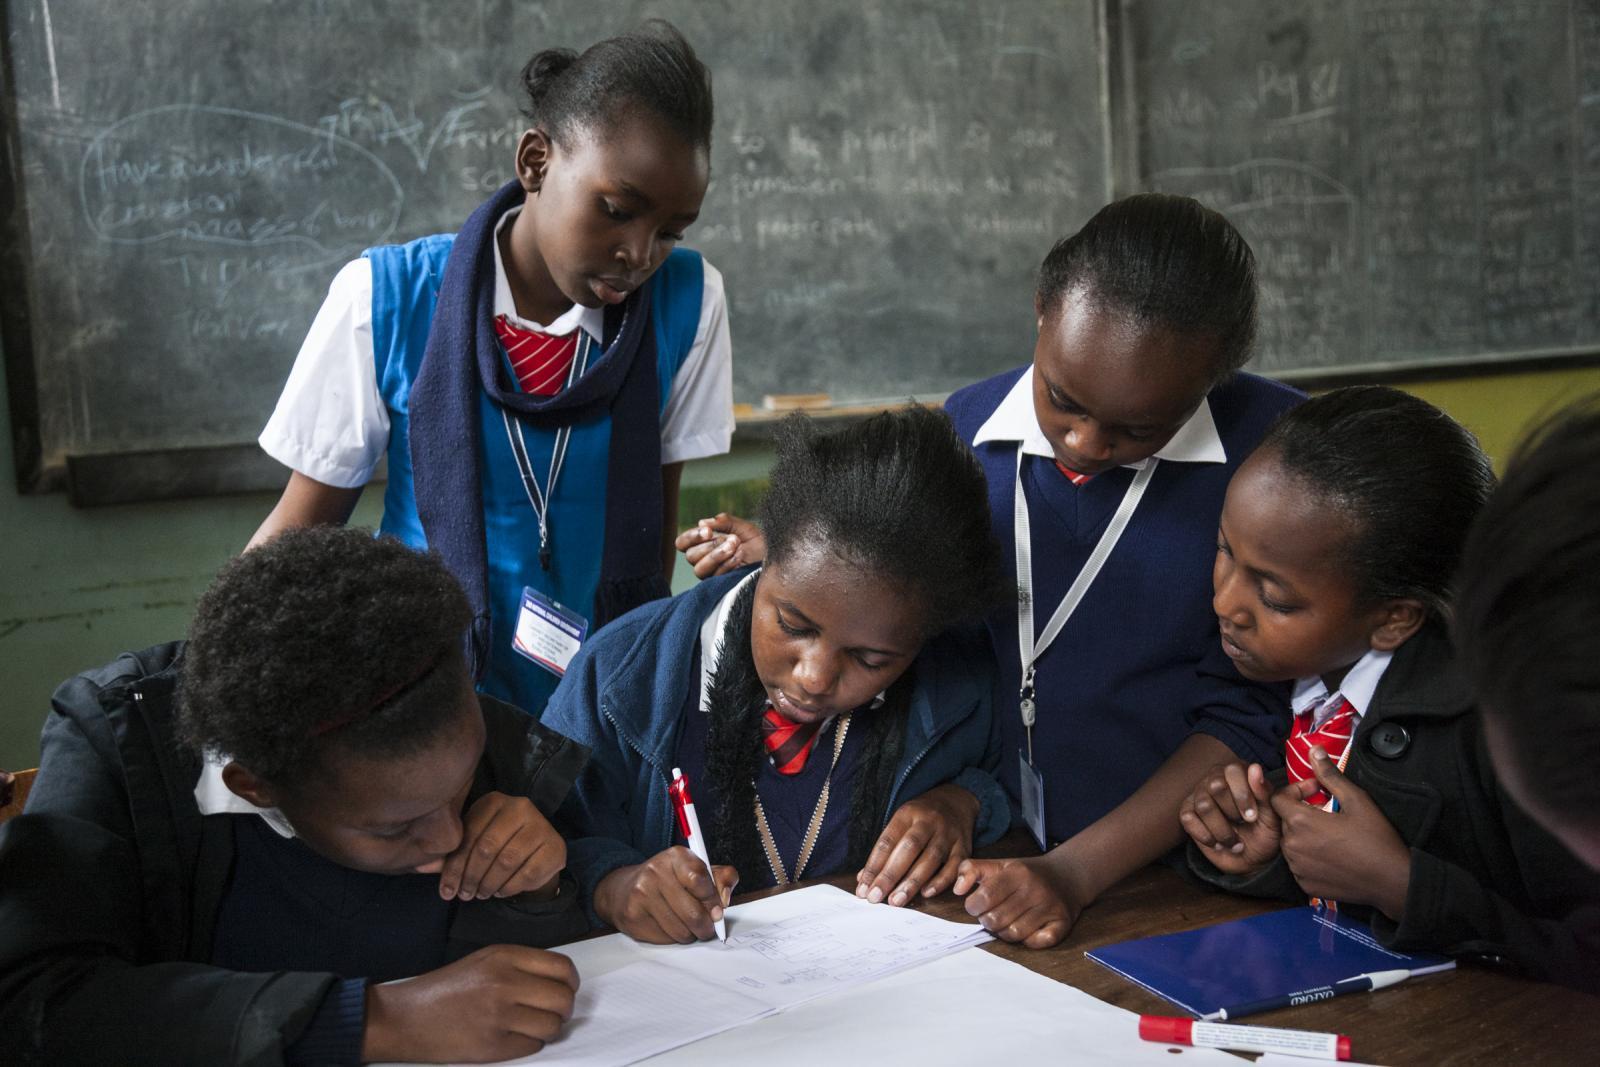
81,979
1531,904
522,757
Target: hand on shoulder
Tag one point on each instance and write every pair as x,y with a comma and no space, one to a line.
721,544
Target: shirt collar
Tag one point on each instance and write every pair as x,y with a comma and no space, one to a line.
591,319
1359,685
214,797
711,633
1014,420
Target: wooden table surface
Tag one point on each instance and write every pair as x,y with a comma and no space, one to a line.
1466,1016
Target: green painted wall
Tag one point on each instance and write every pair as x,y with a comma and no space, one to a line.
77,586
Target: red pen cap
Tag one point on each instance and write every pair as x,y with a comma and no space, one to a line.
678,790
1165,1029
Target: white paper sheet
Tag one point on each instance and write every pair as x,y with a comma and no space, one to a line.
970,1009
639,1010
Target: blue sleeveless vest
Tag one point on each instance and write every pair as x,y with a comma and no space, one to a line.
405,287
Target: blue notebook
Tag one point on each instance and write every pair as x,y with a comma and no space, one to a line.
1269,955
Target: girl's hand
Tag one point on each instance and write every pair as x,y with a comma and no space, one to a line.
507,847
668,898
1353,854
920,849
499,1003
1023,900
721,544
1230,816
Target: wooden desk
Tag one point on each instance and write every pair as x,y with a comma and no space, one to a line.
1467,1016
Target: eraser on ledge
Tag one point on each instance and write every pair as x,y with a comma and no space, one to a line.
796,401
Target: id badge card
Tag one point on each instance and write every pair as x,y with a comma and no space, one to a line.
548,633
1032,790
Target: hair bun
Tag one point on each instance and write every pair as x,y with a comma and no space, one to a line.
541,73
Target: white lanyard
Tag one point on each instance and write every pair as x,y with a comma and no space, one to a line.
813,829
540,499
1029,649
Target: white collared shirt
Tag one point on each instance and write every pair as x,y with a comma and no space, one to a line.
1358,687
214,797
1015,420
331,423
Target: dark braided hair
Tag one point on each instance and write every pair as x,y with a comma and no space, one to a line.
323,638
1530,593
898,497
734,752
1160,261
653,68
1408,477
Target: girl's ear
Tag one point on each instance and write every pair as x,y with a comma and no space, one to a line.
533,156
245,783
1397,620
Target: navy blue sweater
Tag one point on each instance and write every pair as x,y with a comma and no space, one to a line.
1139,666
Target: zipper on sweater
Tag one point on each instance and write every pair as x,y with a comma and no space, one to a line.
909,767
605,711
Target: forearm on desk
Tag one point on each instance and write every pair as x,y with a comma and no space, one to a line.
1142,828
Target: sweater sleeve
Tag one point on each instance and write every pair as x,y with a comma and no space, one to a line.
79,978
596,817
334,1036
1251,718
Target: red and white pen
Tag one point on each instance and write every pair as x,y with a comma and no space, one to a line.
690,825
1169,1030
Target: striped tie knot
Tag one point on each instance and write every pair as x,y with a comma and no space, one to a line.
539,360
788,742
1333,737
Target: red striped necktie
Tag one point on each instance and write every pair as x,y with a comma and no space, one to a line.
788,742
539,360
1333,737
1071,475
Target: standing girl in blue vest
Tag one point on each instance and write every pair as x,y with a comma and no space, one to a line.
537,380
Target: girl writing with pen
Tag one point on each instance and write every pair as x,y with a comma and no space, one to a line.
1335,554
831,715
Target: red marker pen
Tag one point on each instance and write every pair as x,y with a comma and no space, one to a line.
1168,1030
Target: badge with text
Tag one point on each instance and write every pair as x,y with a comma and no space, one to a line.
548,633
1031,787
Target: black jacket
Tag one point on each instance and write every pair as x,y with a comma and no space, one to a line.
111,880
1487,883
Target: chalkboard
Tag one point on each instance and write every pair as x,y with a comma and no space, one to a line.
1420,179
185,176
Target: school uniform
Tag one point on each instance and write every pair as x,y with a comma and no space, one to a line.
143,915
636,696
1138,666
350,396
1487,882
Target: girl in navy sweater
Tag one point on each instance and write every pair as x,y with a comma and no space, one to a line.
1133,400
1335,554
